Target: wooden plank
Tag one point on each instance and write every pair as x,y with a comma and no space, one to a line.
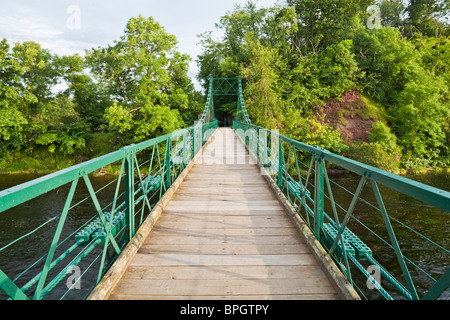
219,240
225,248
225,177
228,204
231,168
235,166
261,221
168,259
226,287
222,272
208,181
225,190
231,160
218,154
223,211
160,231
226,169
306,297
220,185
225,150
224,208
223,183
196,223
227,173
182,196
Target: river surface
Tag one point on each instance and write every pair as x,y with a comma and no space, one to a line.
433,223
411,213
26,218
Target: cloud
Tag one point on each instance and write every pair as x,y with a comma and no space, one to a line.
27,28
101,22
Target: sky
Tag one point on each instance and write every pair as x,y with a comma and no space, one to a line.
66,27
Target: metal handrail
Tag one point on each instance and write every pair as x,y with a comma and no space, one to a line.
310,191
147,170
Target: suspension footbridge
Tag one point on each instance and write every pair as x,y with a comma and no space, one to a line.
224,213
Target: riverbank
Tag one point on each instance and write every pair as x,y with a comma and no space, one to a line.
43,164
42,161
44,168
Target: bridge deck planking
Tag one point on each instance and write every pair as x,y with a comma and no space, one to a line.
224,236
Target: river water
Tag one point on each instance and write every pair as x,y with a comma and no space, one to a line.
425,219
429,221
31,215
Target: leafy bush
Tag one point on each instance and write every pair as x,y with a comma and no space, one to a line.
376,155
315,132
382,134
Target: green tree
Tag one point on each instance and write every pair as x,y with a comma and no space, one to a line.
435,57
90,98
387,60
12,119
38,75
147,77
324,22
427,17
420,117
393,13
262,92
339,70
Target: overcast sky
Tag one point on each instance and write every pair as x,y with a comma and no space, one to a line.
71,26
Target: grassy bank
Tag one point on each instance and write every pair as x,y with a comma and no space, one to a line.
42,161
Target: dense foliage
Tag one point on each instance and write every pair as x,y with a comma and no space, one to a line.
299,60
297,57
72,105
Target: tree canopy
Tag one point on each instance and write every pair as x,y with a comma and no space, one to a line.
314,69
136,89
300,59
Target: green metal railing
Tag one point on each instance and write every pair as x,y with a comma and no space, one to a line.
114,213
352,222
301,172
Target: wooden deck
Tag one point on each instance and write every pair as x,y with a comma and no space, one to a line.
224,235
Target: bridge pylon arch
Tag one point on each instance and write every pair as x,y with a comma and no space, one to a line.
227,87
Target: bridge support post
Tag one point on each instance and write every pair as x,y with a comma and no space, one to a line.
318,196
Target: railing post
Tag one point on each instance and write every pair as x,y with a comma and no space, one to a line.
185,152
280,162
318,196
129,191
167,164
197,138
262,149
193,143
